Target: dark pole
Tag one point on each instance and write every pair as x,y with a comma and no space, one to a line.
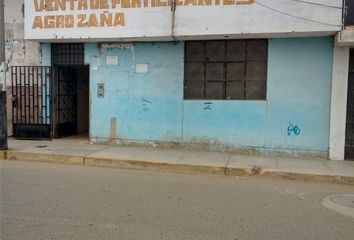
3,113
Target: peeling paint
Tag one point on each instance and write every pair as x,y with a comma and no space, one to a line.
103,47
8,46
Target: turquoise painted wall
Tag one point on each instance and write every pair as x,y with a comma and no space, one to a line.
46,54
150,107
299,90
146,106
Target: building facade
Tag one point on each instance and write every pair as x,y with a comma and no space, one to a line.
238,75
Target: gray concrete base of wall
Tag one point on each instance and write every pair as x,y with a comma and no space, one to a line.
214,146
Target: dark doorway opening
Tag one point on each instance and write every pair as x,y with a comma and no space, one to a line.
349,134
71,101
71,104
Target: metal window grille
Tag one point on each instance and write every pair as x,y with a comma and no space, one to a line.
68,54
348,13
232,69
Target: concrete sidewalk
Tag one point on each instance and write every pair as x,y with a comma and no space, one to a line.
179,160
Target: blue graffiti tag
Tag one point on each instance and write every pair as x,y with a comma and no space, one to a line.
293,129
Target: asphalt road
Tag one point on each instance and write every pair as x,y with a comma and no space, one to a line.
49,201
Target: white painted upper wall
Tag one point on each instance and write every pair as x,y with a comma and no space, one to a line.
156,20
267,17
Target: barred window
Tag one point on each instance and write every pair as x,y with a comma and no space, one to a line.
231,69
68,54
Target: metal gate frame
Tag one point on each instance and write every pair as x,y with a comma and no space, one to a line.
43,102
31,102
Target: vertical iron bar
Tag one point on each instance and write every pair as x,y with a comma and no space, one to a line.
225,70
46,94
21,98
205,69
58,106
40,79
28,76
43,87
17,98
52,87
74,92
37,96
33,111
12,93
25,92
28,69
23,76
245,71
28,93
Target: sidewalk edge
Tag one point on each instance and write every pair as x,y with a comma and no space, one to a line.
174,167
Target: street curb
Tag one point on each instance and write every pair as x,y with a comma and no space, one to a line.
144,165
43,157
309,177
168,167
255,171
3,154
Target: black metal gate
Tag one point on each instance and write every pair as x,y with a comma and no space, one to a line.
31,101
44,98
64,101
349,135
67,58
43,101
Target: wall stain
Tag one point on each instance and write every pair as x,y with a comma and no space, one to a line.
113,130
145,103
8,49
